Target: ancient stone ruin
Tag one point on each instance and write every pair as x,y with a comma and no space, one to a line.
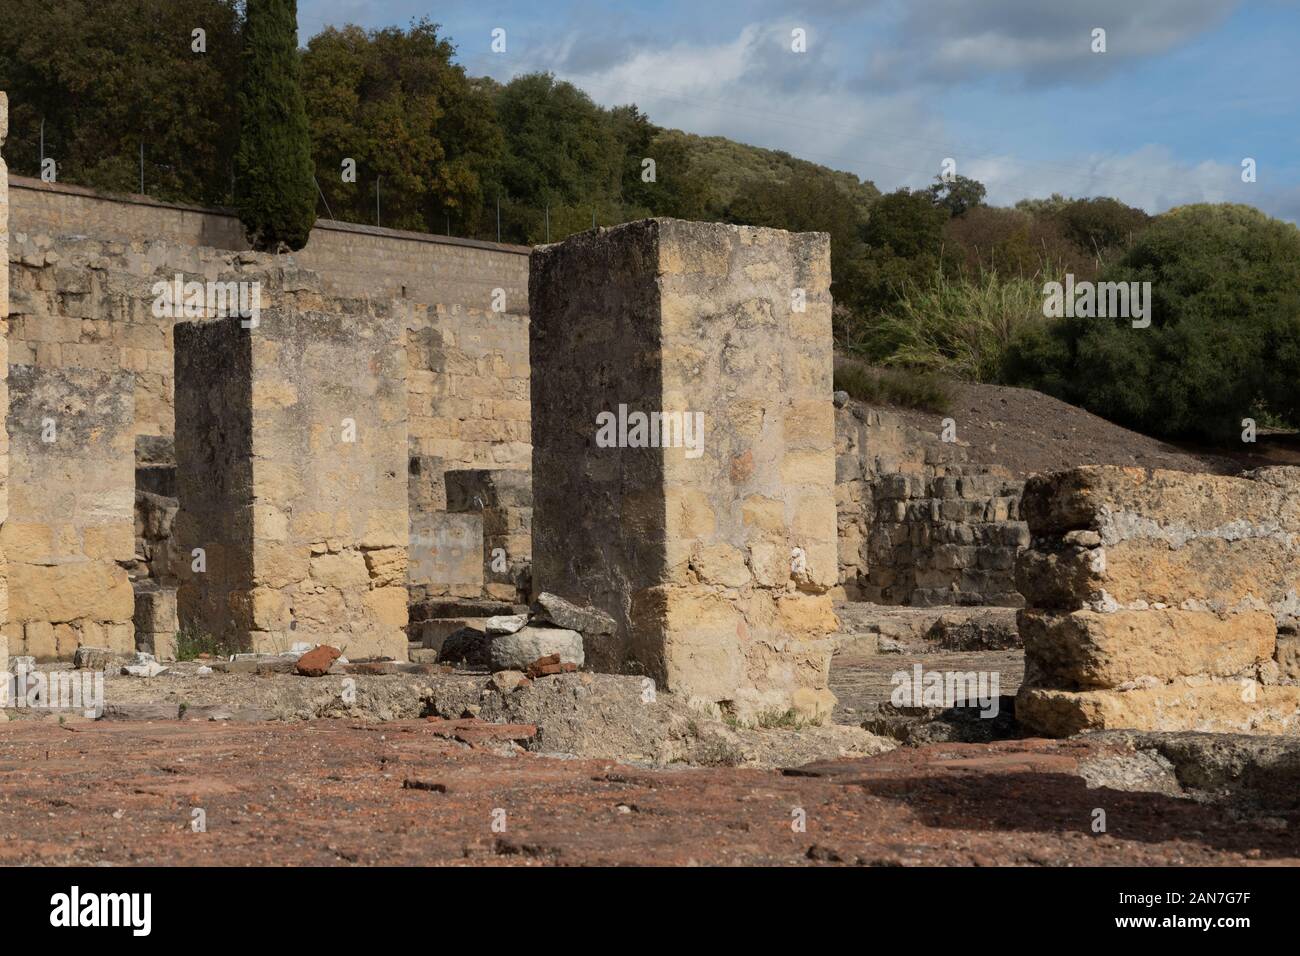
4,382
290,448
1161,601
683,454
620,453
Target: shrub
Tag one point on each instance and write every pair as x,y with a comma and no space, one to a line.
193,641
959,328
1224,339
906,388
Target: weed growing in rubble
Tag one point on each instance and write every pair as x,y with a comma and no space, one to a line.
781,720
892,386
192,641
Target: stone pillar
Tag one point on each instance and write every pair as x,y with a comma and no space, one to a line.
291,472
71,528
683,454
1155,600
4,373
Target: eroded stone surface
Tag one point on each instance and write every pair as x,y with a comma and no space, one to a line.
70,525
719,575
291,451
1157,599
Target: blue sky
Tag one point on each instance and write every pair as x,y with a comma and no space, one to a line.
887,89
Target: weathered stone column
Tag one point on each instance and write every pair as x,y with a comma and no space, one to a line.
1155,601
4,375
70,528
683,454
291,466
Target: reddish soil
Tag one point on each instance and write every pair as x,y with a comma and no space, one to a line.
333,792
1027,431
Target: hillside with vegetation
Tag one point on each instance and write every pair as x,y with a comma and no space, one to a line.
930,284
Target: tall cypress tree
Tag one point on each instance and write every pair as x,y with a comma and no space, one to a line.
274,189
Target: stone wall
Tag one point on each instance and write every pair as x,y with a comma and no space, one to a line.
918,524
292,466
70,532
504,499
1156,598
715,561
89,303
469,390
82,302
352,260
4,379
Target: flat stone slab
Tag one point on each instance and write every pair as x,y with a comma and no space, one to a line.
143,710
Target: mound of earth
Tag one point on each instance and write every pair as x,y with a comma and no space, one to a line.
1026,432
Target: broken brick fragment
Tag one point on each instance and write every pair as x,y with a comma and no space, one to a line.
550,664
472,731
317,661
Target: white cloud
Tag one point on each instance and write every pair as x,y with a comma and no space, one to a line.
1150,178
752,88
952,40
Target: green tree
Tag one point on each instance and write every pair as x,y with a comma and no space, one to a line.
957,195
274,190
393,102
1224,339
107,76
1040,207
1101,224
561,151
670,186
904,240
906,224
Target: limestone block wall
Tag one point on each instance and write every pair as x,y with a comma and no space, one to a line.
88,303
918,524
469,409
949,538
80,302
84,264
469,387
717,564
4,375
292,468
1155,599
70,532
352,260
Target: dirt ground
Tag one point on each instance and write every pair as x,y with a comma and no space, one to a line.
1027,431
338,792
270,769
